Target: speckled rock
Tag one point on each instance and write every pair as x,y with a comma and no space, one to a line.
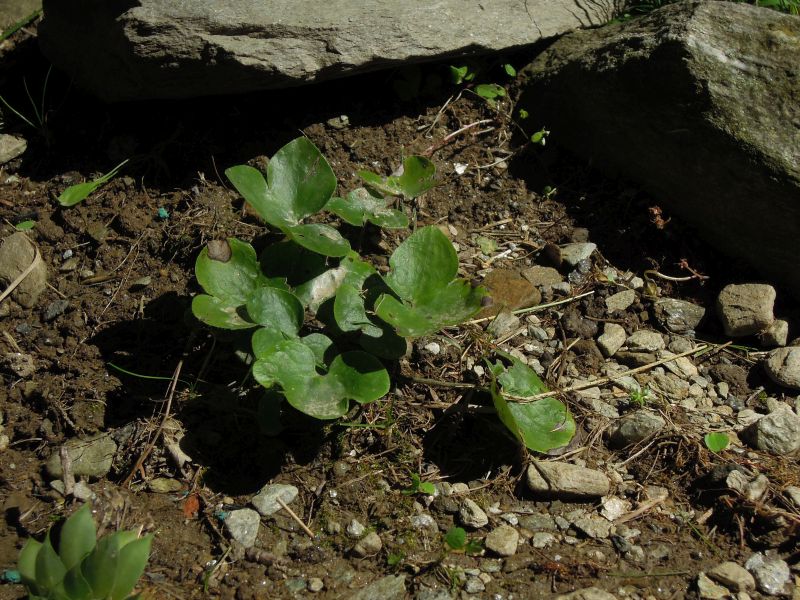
266,501
472,515
783,366
776,334
566,481
242,525
733,576
369,545
91,457
635,427
746,309
778,432
678,316
772,574
503,540
613,338
17,253
391,587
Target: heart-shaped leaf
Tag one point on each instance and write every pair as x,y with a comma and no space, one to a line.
361,206
416,179
214,312
320,238
229,270
363,378
716,441
276,309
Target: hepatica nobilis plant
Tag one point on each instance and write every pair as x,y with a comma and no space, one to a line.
313,276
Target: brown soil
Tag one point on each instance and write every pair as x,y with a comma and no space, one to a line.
105,362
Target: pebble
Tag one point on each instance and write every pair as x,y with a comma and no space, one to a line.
683,367
164,485
91,457
423,521
55,309
542,276
620,301
355,529
472,515
614,508
433,348
776,334
678,316
474,586
783,367
572,254
391,587
503,540
566,481
635,427
778,432
11,146
710,590
369,545
645,340
16,255
613,338
594,526
22,365
542,539
746,309
266,501
315,584
503,324
242,525
771,574
733,576
591,593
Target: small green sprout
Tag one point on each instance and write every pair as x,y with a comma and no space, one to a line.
416,179
540,137
79,192
419,487
456,540
510,70
490,92
394,559
459,75
523,114
716,441
639,396
26,225
83,568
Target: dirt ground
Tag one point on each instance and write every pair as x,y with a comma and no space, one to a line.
124,272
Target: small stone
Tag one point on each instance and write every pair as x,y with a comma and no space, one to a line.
266,501
594,526
538,522
542,539
11,146
645,341
16,255
683,367
164,485
772,575
315,584
575,325
710,590
503,540
369,545
90,457
591,593
509,291
355,529
783,366
82,492
614,508
565,481
474,585
423,522
503,324
21,365
572,254
635,427
472,515
778,432
55,308
776,334
734,577
433,348
340,122
678,316
620,301
242,525
391,587
613,338
746,309
542,276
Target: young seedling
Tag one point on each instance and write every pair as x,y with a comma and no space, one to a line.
716,441
417,177
462,74
490,92
419,487
456,540
83,568
79,192
639,396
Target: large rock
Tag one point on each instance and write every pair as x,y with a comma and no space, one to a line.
17,254
167,49
699,102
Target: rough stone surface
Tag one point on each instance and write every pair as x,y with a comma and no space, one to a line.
565,481
612,339
509,290
91,457
678,316
266,501
11,146
746,309
242,525
369,545
783,366
572,254
542,276
166,49
709,590
772,575
734,577
391,587
645,340
591,593
620,300
17,252
776,334
635,427
472,515
778,432
503,540
692,101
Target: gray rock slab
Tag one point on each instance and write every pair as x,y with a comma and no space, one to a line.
503,540
242,525
746,309
612,339
572,254
167,49
17,253
391,587
776,334
645,340
783,366
565,481
266,501
90,457
692,101
634,428
678,316
778,432
472,515
772,574
11,146
620,301
733,576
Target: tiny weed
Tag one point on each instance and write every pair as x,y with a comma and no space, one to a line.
716,441
639,396
456,540
80,191
419,487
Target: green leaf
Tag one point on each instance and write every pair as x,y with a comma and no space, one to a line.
519,379
320,345
716,441
229,270
265,340
78,537
416,179
75,584
456,538
320,238
458,74
49,569
423,264
130,566
79,192
25,225
292,262
523,114
276,309
490,91
100,567
510,70
27,564
361,206
350,312
250,183
362,376
214,312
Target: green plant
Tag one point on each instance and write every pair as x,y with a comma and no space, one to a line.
490,92
80,191
417,177
462,74
419,487
540,137
456,539
639,396
80,567
716,441
39,119
642,7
